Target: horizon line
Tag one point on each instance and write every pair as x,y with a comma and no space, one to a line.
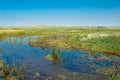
10,26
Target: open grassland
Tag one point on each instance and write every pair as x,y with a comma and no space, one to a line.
102,40
59,30
69,30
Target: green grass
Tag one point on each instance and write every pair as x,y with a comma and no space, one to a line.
64,30
108,45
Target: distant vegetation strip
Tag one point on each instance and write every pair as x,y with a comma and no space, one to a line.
58,30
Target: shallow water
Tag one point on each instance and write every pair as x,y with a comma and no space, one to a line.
72,65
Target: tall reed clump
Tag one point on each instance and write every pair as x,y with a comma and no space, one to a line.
54,56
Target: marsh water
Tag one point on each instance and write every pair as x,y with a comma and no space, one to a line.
72,64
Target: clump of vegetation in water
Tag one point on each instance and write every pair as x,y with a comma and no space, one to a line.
115,75
12,72
0,49
54,56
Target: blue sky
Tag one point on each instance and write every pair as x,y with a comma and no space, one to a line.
60,12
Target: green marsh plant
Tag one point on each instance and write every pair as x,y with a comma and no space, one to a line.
12,71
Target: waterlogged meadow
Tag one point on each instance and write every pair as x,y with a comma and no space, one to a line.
59,53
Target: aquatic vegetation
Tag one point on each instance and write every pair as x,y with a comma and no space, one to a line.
12,72
113,72
49,78
46,42
115,75
62,77
0,49
37,75
54,56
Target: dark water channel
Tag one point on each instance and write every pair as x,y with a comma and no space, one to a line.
72,65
